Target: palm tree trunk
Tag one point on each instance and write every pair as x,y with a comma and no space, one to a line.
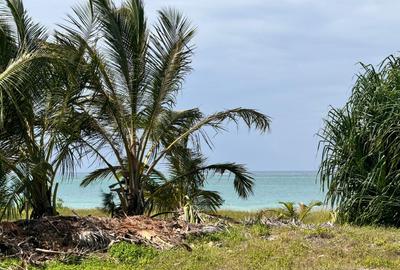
135,197
41,200
135,203
43,209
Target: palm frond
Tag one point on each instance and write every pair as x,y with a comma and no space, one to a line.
109,204
11,196
170,57
29,33
82,24
98,175
12,80
206,200
243,180
251,118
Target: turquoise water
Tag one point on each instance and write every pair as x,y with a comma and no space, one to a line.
269,189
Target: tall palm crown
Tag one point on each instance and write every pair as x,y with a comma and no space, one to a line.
129,107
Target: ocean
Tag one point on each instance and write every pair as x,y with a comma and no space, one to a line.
270,188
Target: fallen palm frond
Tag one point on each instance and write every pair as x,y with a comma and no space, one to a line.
41,239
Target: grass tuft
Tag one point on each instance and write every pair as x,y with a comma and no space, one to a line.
132,254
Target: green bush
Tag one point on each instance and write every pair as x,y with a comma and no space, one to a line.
132,254
360,165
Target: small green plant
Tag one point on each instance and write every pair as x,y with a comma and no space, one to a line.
304,210
260,230
60,203
334,216
190,213
289,211
132,254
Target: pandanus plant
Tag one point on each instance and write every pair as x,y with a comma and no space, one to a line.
130,109
360,142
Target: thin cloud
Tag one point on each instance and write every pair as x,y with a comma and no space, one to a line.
290,59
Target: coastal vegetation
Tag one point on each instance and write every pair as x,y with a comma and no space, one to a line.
256,247
37,137
360,166
290,211
104,87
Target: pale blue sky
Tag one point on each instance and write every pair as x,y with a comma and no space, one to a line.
290,59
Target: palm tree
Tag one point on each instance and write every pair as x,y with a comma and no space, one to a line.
35,137
130,111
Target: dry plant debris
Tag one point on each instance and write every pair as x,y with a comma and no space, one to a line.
35,241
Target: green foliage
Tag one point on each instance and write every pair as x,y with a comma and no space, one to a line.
289,210
184,188
250,247
60,203
260,230
137,73
347,247
105,83
10,264
360,166
132,254
36,108
304,209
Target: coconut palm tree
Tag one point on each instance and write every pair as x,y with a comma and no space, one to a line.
36,134
131,110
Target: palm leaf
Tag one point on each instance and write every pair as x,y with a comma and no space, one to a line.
99,175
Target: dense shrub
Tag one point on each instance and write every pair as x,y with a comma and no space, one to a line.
361,149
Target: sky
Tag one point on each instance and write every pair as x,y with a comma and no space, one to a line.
290,59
